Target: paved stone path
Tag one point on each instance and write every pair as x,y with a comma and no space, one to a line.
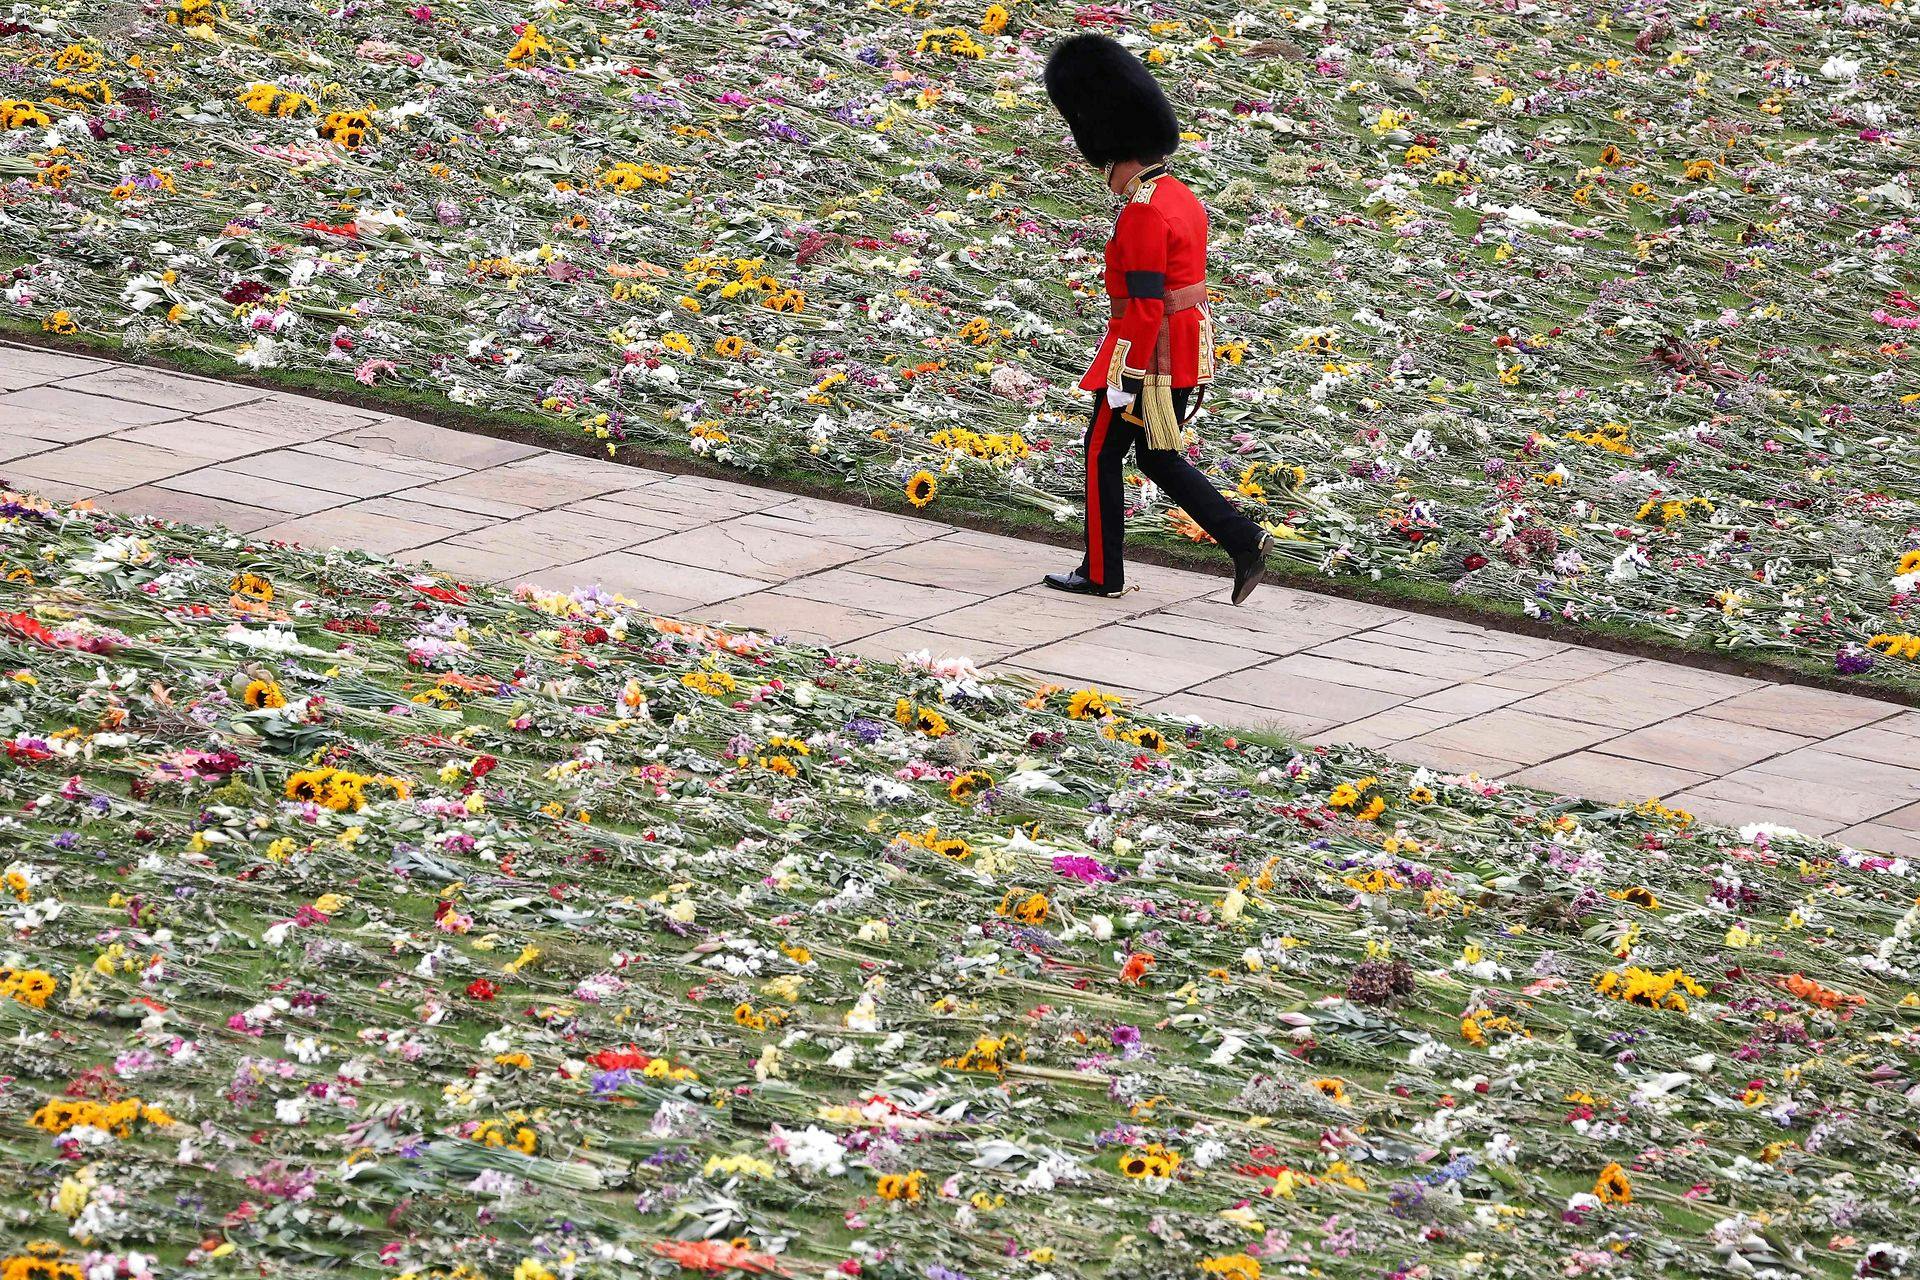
1449,694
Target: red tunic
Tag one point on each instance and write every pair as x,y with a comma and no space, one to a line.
1159,245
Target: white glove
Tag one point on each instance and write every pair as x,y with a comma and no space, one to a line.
1118,399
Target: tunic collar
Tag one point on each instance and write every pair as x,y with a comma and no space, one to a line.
1158,169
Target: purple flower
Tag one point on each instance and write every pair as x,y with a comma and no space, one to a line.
1853,661
605,1082
1034,939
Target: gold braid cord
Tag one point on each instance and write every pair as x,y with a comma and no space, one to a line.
1163,424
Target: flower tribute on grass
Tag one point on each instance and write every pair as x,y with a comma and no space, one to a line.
1604,313
527,936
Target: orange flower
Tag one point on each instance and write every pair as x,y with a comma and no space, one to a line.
742,643
1813,993
1187,527
713,1257
1040,696
1136,968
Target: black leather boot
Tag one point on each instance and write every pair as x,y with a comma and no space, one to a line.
1249,567
1079,584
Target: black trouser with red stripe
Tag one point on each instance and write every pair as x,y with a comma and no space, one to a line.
1110,434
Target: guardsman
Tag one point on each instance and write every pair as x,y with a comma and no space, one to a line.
1157,357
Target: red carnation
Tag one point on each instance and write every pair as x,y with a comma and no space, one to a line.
628,1058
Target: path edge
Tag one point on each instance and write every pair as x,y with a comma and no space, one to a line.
526,429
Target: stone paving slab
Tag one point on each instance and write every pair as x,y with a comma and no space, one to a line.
161,388
1516,733
61,414
228,485
1469,699
404,438
359,525
1883,839
1694,741
1269,631
1268,686
206,439
1403,723
1591,772
1537,711
194,508
292,417
1907,819
815,621
28,367
104,462
1139,659
900,601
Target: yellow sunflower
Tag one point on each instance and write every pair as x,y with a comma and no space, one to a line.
263,693
967,785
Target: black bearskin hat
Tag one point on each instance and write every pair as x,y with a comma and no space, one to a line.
1111,102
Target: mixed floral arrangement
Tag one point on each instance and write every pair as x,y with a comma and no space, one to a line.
1601,313
358,921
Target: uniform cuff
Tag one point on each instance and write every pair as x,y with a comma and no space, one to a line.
1119,372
